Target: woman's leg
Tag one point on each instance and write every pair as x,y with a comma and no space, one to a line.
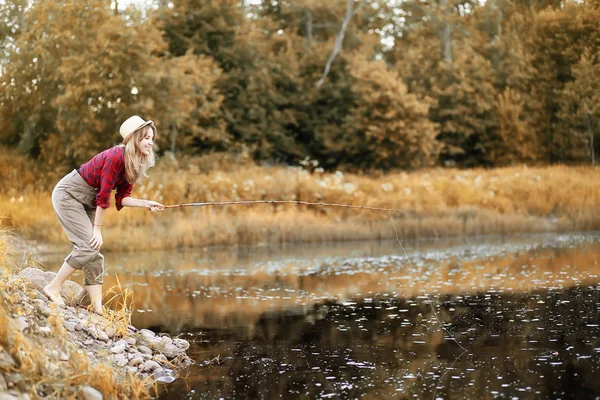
95,293
52,289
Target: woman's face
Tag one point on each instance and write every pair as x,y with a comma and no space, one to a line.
145,144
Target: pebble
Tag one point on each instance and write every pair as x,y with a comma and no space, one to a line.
44,330
118,348
147,333
151,365
70,326
130,341
89,393
120,360
23,324
63,356
182,344
134,362
3,385
144,350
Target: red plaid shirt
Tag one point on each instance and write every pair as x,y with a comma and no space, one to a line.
105,172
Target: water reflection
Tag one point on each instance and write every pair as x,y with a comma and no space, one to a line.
357,323
542,344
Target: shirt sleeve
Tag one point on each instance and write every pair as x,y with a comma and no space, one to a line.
108,178
124,190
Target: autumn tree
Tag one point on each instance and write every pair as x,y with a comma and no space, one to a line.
579,113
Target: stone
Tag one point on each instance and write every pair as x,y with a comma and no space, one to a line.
7,396
88,342
171,351
45,330
118,348
130,341
69,325
161,358
6,361
151,365
122,341
63,356
120,360
89,393
147,333
110,331
23,323
182,344
69,290
132,370
3,385
134,362
164,375
144,350
103,336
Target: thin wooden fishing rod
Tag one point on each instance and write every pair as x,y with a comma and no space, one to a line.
229,203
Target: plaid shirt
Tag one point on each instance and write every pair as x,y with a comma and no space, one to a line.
105,172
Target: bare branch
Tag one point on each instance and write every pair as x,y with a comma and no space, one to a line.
338,41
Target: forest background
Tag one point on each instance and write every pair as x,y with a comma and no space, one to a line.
472,117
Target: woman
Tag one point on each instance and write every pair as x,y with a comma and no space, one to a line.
81,198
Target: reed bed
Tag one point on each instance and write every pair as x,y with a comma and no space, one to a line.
435,203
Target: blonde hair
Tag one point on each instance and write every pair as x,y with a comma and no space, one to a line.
136,162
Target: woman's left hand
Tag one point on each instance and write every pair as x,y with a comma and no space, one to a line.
154,206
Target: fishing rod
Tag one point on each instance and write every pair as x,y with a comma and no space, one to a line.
228,203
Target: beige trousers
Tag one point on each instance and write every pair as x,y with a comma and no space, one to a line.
72,199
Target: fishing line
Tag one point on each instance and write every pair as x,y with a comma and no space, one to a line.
435,314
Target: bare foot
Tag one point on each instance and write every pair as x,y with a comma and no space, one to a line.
54,296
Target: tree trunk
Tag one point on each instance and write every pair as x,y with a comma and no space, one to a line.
446,44
591,133
309,26
338,41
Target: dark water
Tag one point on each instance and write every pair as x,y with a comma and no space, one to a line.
521,318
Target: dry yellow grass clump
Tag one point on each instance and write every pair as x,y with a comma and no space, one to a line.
35,354
435,202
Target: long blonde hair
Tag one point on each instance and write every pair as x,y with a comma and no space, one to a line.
136,162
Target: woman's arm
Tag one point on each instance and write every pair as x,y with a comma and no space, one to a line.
149,204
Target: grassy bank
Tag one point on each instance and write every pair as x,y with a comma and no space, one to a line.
435,203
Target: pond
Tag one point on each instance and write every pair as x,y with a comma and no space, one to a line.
495,317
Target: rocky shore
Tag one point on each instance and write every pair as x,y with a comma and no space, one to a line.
50,352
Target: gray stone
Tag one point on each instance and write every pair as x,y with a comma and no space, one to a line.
69,325
63,356
132,370
151,365
167,339
45,330
110,331
147,333
89,393
120,360
23,323
121,341
69,290
171,351
3,385
7,396
164,375
118,348
161,358
130,341
144,349
134,362
6,361
103,336
182,344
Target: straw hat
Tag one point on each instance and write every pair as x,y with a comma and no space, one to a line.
132,124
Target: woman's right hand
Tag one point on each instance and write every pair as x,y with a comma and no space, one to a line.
96,240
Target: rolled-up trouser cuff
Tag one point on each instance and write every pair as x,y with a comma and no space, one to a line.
93,271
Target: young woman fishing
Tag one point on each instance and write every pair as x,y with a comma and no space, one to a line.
81,198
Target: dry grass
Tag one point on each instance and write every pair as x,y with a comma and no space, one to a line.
436,202
36,355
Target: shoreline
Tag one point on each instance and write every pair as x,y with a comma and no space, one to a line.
47,351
